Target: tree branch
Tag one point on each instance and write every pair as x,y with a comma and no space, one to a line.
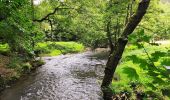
48,15
136,18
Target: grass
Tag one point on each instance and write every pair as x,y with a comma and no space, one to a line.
135,68
57,48
50,48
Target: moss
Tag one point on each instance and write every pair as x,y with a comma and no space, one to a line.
37,63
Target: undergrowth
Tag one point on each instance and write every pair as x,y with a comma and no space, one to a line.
142,73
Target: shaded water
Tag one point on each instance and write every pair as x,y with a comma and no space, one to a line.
65,77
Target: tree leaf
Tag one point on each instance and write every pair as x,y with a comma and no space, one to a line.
131,73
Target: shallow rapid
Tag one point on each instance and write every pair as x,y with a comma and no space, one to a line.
65,77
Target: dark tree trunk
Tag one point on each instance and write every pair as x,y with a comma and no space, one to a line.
111,67
116,55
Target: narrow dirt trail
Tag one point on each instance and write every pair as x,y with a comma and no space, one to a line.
65,77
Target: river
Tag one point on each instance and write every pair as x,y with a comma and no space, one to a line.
64,77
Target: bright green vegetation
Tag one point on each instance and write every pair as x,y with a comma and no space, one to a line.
57,48
4,49
135,72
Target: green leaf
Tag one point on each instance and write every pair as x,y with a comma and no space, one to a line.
152,86
131,73
157,80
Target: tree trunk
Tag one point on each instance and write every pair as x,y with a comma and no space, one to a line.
111,67
116,55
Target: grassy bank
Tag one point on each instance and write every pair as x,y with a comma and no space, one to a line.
14,67
141,73
57,48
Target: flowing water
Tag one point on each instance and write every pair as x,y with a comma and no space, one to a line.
65,77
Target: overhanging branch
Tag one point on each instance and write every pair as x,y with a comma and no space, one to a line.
48,15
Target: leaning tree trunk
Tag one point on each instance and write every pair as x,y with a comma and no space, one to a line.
116,55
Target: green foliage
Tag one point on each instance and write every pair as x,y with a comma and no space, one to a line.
4,49
131,73
118,87
37,63
165,61
86,21
153,28
136,67
26,66
57,48
16,63
16,26
140,36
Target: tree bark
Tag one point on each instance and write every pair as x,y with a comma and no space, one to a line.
116,55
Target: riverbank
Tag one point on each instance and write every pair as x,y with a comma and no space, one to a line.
63,77
13,67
